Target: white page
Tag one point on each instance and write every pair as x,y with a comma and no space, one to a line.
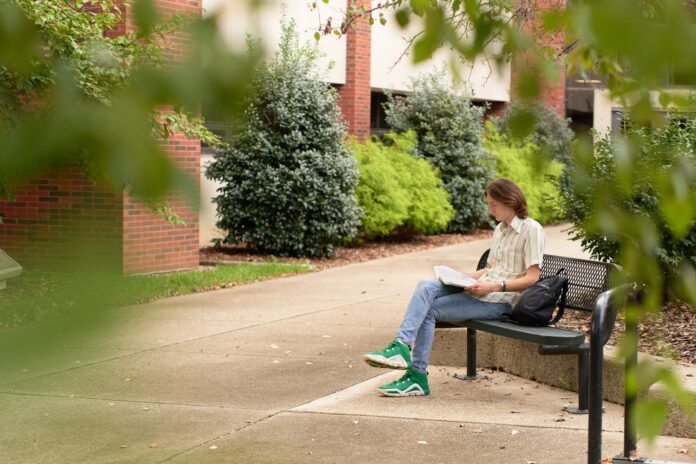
449,276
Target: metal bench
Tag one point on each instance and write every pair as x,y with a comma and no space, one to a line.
586,281
587,291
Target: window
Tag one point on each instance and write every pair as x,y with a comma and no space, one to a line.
378,117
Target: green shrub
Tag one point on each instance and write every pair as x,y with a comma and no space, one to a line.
288,178
449,135
519,162
669,146
549,132
399,191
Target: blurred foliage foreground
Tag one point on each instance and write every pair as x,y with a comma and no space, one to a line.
86,91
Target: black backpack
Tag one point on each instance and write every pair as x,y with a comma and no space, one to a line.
538,301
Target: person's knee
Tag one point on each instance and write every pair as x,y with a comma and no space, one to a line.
428,285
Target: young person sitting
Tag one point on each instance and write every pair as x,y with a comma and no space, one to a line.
514,263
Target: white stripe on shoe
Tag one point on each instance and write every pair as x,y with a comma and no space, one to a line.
394,362
413,390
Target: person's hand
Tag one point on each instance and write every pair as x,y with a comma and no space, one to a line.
480,288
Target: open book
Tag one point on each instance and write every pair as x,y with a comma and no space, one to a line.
449,276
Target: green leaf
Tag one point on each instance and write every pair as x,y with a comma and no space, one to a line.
423,49
19,40
403,17
382,21
419,6
521,123
553,20
146,17
528,85
649,416
317,36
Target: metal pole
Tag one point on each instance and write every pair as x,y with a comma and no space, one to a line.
630,397
594,433
583,381
471,353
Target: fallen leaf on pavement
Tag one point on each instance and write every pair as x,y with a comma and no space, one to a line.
153,445
683,451
124,446
514,432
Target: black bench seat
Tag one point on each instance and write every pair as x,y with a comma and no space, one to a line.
540,335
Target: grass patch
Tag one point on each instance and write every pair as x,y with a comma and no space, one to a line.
35,296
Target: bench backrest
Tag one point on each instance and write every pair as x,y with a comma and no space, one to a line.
586,278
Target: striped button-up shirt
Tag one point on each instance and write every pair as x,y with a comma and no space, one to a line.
516,247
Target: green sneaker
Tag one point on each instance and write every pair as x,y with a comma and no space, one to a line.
412,383
395,356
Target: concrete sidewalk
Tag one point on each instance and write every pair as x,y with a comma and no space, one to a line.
271,372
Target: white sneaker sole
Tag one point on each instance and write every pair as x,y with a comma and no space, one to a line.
395,362
416,390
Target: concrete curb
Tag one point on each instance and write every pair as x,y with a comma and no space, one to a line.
523,359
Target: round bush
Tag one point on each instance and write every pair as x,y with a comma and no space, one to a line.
549,132
449,135
668,147
288,180
397,190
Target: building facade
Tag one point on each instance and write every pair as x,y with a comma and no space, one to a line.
62,217
62,220
361,64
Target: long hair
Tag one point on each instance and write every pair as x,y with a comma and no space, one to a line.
508,193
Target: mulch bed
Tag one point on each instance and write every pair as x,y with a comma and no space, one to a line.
346,255
672,333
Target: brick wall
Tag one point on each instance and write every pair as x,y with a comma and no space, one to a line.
150,244
354,96
64,220
552,92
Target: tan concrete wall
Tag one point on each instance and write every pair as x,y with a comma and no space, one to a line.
481,80
237,20
523,359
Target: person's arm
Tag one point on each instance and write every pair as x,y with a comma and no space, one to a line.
513,285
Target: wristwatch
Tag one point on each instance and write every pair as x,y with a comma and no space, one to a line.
503,286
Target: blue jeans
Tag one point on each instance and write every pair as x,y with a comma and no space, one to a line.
434,301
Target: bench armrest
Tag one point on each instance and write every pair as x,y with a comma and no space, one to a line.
607,307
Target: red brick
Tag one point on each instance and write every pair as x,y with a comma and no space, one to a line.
62,214
357,86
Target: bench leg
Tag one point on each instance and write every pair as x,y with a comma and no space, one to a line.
470,356
583,352
583,384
